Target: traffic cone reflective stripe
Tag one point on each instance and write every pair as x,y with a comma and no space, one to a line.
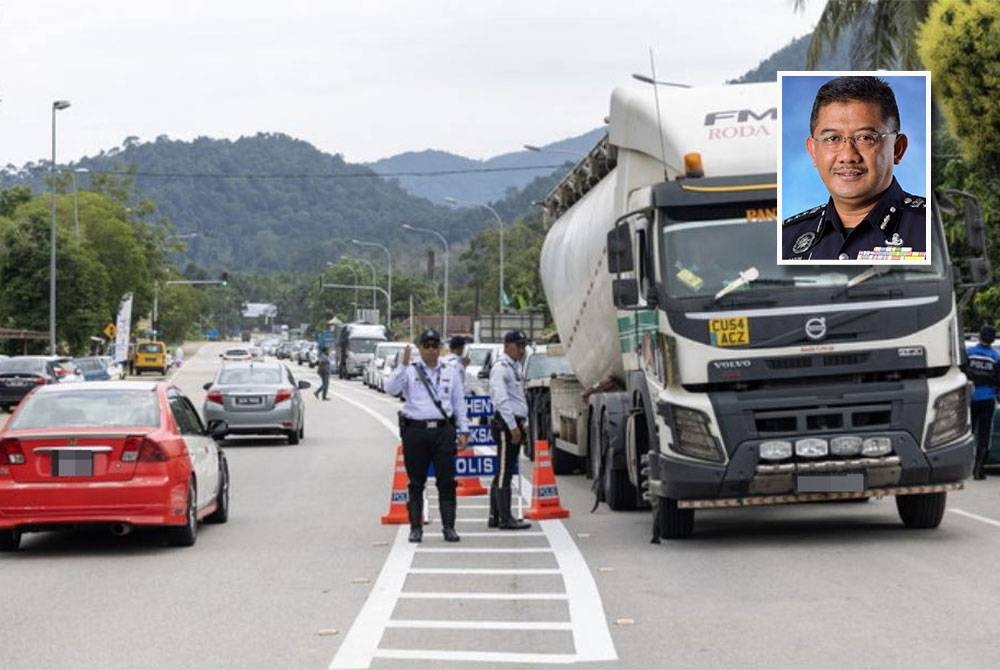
400,492
544,493
469,486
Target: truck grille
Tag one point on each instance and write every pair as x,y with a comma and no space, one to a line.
805,420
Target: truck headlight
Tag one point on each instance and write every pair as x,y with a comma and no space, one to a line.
811,447
951,419
846,445
692,436
775,450
876,446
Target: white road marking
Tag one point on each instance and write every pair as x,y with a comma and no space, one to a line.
504,533
482,625
591,636
484,571
478,595
970,515
478,656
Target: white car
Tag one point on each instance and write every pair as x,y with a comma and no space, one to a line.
383,362
241,354
480,354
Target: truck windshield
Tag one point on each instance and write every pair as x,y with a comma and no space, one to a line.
363,345
703,257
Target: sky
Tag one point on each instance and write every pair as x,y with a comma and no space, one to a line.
364,78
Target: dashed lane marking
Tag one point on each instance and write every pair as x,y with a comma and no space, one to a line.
976,517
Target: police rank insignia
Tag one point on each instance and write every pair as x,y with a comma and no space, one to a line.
895,241
803,243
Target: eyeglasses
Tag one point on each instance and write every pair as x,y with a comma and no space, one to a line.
860,140
430,345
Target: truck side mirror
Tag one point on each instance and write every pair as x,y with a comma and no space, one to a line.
625,293
620,249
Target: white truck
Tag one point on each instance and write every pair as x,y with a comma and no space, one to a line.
714,377
356,346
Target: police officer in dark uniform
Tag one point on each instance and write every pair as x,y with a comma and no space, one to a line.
854,142
433,426
982,367
510,412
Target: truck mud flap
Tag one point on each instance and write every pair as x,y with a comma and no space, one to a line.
751,501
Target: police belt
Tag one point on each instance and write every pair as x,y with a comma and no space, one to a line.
430,424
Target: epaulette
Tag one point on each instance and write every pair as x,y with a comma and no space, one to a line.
801,215
915,201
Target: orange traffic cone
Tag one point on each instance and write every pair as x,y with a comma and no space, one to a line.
400,492
469,486
544,493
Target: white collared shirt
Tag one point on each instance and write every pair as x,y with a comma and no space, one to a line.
446,382
507,391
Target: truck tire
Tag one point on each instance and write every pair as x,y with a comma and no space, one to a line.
673,523
618,490
924,510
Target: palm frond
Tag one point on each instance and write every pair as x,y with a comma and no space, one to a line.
837,16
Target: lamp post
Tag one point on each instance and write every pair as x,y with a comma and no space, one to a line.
388,316
444,242
550,150
372,266
502,293
56,106
76,204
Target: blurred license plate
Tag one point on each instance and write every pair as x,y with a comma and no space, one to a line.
17,383
249,400
847,482
72,464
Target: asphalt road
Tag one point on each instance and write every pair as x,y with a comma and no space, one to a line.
305,576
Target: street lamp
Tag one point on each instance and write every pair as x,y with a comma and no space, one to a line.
76,204
649,80
444,317
503,294
388,317
57,105
372,266
551,150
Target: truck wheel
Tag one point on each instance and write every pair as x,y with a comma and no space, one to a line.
563,463
674,523
618,490
924,510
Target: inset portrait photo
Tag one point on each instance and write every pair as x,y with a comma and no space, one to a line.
854,168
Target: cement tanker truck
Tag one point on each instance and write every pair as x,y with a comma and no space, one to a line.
712,376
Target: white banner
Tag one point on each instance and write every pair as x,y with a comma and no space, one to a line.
124,325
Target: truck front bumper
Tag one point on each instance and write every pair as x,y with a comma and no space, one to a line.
746,477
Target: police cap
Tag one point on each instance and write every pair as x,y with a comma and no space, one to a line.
429,335
515,337
456,342
987,333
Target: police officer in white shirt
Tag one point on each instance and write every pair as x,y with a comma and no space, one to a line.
510,411
456,353
433,426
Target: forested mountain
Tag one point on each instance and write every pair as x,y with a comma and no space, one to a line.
267,202
476,183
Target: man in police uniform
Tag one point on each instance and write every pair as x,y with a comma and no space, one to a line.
510,410
982,367
456,352
433,426
854,142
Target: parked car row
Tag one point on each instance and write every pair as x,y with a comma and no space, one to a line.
382,363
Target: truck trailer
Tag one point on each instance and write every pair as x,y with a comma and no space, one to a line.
706,375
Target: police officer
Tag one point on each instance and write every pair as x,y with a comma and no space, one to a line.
456,353
983,369
431,423
510,411
854,142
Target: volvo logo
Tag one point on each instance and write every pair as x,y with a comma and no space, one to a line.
816,328
731,365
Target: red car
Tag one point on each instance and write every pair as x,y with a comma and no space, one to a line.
119,454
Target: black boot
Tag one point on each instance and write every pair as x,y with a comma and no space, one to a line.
494,519
415,506
448,510
507,520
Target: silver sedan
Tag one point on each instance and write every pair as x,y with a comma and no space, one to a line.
257,399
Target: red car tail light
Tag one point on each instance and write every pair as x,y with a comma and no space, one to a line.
11,452
142,449
41,381
214,396
282,395
60,372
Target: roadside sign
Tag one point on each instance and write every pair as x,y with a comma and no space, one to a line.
110,330
478,405
480,436
475,466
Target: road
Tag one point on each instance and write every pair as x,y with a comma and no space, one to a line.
305,576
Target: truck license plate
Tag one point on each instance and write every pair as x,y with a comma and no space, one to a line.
847,482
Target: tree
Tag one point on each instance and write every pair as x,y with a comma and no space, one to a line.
884,32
